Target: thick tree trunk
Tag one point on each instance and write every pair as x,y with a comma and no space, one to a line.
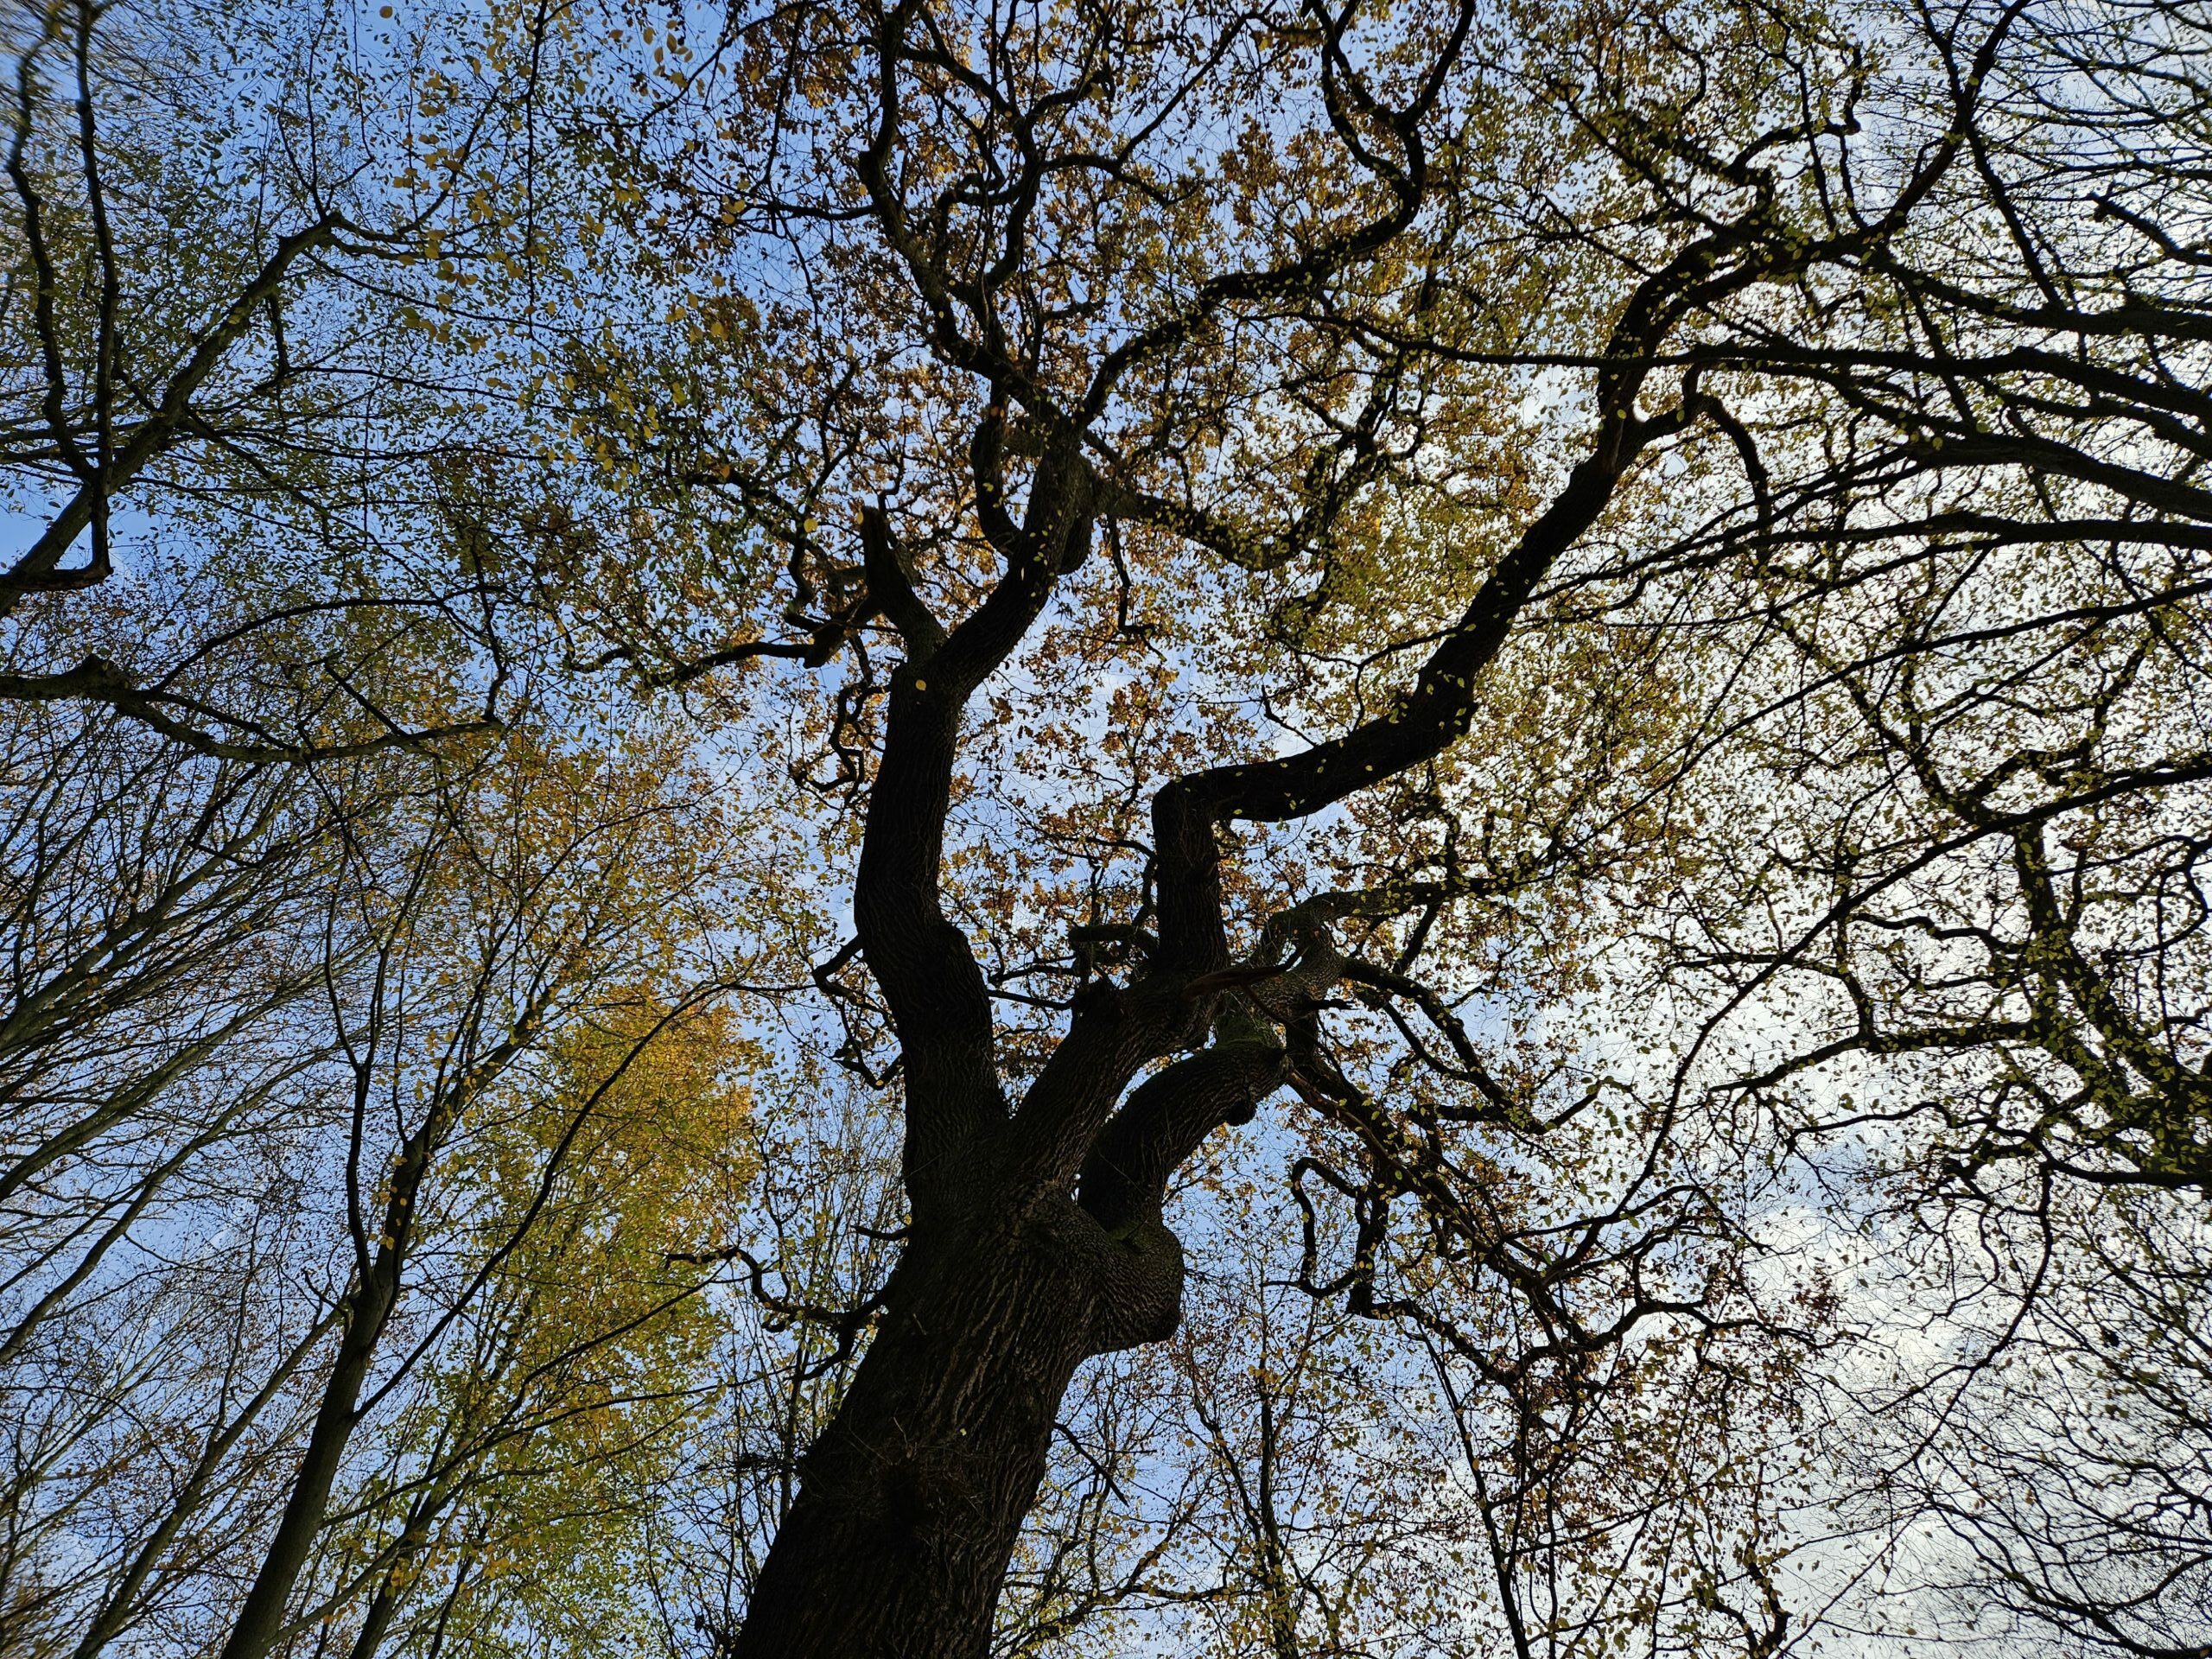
911,1501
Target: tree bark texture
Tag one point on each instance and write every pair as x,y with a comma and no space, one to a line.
911,1501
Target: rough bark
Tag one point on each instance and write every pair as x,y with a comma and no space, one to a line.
910,1503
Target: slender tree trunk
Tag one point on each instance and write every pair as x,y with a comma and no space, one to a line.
261,1617
121,1604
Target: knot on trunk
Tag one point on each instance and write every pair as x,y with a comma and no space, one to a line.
1139,1297
1293,967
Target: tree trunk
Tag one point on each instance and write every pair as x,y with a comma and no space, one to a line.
910,1503
260,1620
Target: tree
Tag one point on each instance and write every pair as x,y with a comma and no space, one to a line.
513,1486
1038,226
1977,560
1274,294
284,803
1595,608
228,362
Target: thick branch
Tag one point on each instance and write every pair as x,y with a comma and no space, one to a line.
96,679
939,1003
1125,1178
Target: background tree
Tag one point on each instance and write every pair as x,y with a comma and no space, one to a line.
306,872
1977,567
240,240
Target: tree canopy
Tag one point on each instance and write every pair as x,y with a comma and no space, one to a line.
945,829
